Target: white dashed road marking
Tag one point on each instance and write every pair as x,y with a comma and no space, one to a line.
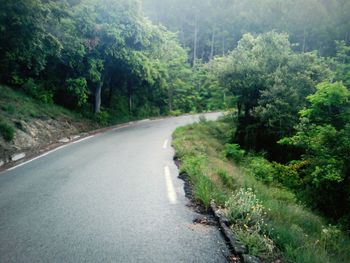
170,186
165,144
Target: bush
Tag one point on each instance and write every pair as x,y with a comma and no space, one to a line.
261,168
37,91
247,214
175,113
234,152
286,175
7,131
102,118
258,245
245,209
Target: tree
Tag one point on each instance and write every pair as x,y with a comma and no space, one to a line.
270,82
324,135
25,39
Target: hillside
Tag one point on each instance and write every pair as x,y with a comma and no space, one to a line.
27,125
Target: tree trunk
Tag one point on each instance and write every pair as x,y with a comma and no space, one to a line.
97,106
110,94
304,40
182,35
130,96
170,98
195,39
223,45
239,107
212,45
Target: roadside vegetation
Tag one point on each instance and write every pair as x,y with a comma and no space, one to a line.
17,108
265,215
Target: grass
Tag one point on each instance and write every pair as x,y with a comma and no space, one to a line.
284,229
17,105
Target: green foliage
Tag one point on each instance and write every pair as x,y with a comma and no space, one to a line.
102,118
203,190
234,152
79,90
270,82
7,131
261,169
37,91
329,105
287,175
258,245
74,54
342,63
175,113
324,135
245,209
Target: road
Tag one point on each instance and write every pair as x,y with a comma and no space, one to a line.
114,197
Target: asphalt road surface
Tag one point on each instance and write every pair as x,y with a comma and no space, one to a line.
114,197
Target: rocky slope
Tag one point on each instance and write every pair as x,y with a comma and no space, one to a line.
34,126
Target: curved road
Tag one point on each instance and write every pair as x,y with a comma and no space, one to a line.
114,197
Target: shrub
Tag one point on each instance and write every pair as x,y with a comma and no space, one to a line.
175,113
234,152
261,168
258,245
245,209
37,91
102,118
247,213
286,175
7,131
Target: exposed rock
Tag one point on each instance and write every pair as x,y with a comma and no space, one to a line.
17,157
250,259
64,140
31,136
205,220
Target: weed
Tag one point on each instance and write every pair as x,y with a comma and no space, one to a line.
7,131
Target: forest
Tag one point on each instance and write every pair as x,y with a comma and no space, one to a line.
280,67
